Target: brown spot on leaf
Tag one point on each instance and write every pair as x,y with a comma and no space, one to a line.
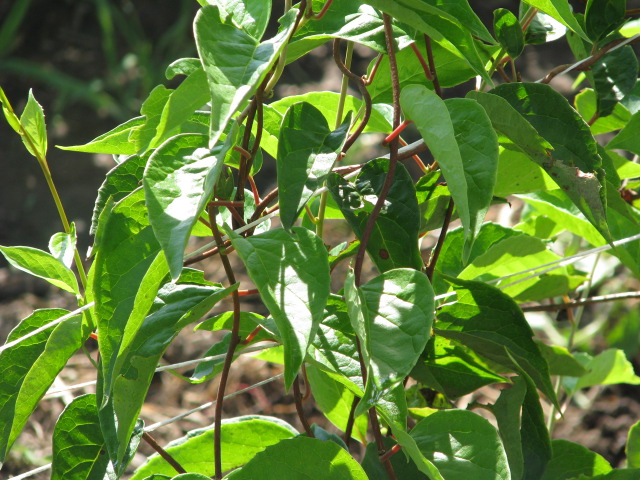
383,254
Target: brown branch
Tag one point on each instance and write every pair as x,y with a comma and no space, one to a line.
432,66
443,233
163,453
297,396
425,67
583,301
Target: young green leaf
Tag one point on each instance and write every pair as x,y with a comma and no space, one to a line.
394,239
34,128
459,134
235,62
78,444
307,151
178,182
462,444
508,32
242,439
491,324
615,75
301,457
607,368
252,16
114,142
152,109
12,119
29,368
42,265
601,17
392,315
63,246
291,272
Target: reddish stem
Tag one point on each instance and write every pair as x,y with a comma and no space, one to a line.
321,13
425,67
396,132
395,449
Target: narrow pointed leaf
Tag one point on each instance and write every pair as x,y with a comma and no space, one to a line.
291,272
234,61
178,182
488,322
394,239
392,315
242,438
34,128
42,265
307,150
114,142
29,368
78,445
291,458
462,444
464,144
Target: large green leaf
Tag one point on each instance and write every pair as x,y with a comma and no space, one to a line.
241,439
452,369
29,368
575,164
174,308
34,128
442,28
78,444
516,254
126,251
601,17
234,61
394,238
615,75
348,20
307,150
43,265
463,142
291,272
462,444
493,326
571,460
301,457
252,16
392,315
560,10
178,182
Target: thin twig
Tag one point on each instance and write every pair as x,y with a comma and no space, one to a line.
432,66
583,301
443,233
162,452
297,398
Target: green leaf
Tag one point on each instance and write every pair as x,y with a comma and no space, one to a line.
615,75
120,181
301,457
632,448
443,28
115,141
561,11
348,20
491,324
335,401
307,150
462,444
252,16
189,96
11,117
242,438
452,369
518,173
63,245
175,307
466,16
127,250
459,134
619,474
152,109
517,254
78,445
42,265
291,271
29,368
575,165
571,460
182,66
433,200
585,103
394,238
402,468
607,368
601,17
34,128
560,361
235,62
178,182
508,32
628,138
392,315
542,28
